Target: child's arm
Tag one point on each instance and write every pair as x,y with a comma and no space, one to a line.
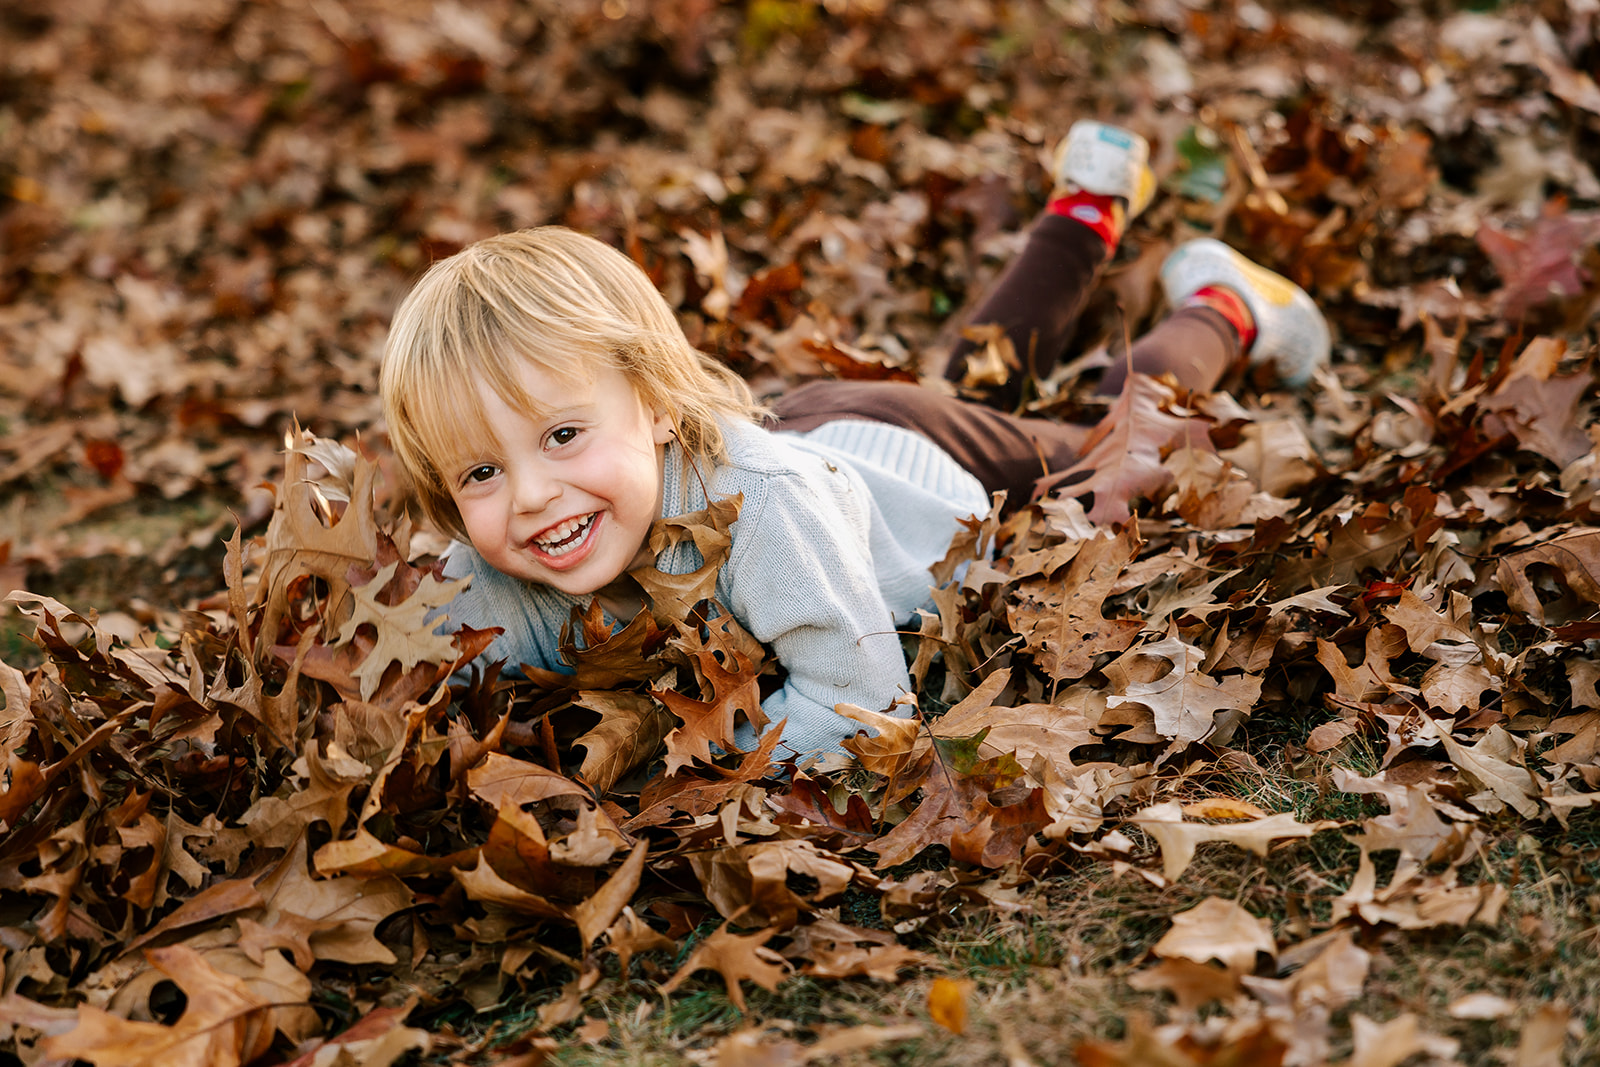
801,579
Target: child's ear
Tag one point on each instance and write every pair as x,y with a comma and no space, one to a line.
662,428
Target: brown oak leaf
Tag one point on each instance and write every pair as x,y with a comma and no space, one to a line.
1062,622
631,729
978,814
1185,700
731,688
338,916
1122,459
1217,929
304,538
674,595
736,957
377,1039
405,632
224,1023
840,951
1178,837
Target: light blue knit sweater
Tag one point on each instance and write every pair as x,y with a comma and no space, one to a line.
830,553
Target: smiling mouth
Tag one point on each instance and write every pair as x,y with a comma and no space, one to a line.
565,537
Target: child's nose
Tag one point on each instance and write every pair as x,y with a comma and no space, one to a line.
534,490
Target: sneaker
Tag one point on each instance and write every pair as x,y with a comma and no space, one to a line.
1290,330
1107,160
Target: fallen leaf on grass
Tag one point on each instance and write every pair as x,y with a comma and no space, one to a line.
1392,1043
758,1047
1191,984
1223,808
1185,700
1249,1045
1489,764
839,951
1336,975
1178,838
1544,1037
1217,929
947,1003
736,957
1480,1006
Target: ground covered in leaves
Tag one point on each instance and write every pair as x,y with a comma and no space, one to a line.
1275,742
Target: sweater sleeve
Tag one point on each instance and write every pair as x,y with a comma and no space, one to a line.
801,579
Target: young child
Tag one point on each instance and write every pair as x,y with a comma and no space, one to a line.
545,403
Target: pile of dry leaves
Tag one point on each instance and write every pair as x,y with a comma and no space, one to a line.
267,829
288,799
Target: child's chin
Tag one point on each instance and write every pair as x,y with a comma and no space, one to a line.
583,581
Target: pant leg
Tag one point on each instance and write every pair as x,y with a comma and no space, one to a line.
1001,450
1037,301
1195,345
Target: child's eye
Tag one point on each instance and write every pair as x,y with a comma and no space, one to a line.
564,436
481,473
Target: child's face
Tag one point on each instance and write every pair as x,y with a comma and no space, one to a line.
568,497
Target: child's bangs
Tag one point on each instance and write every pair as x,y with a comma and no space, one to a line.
448,422
447,410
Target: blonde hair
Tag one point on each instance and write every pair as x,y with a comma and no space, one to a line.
561,301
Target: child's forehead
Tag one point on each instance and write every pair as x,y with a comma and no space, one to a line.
461,415
537,388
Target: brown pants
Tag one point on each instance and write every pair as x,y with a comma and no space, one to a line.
1037,301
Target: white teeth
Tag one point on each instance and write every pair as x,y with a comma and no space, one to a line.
560,540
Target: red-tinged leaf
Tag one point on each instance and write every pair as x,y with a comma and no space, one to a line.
768,290
666,795
105,457
816,801
978,815
1544,264
25,784
1255,1045
853,364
